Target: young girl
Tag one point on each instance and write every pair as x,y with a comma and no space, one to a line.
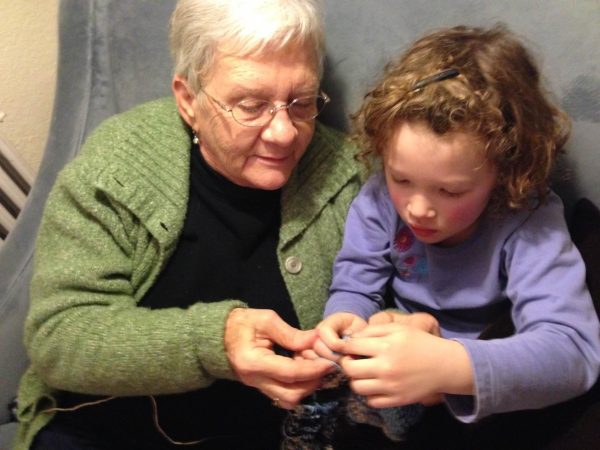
461,225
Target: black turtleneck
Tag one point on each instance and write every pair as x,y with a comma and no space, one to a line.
227,250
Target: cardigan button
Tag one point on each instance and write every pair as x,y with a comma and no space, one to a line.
293,264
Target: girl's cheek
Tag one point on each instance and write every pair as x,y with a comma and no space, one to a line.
397,201
465,214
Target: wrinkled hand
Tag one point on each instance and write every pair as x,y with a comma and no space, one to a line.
399,364
250,335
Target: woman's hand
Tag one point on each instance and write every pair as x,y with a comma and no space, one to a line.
331,331
394,364
250,335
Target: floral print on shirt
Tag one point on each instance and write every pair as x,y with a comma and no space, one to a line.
411,263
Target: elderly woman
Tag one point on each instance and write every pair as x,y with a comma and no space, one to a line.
186,246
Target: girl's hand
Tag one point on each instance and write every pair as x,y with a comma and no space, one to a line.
400,364
331,332
422,321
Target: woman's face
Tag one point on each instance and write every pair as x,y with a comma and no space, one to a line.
256,157
439,185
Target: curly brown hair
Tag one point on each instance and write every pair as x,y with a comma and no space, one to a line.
497,96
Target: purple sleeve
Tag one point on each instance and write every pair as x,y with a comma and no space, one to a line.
555,353
362,267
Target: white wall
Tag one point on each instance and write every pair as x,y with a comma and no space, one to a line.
28,57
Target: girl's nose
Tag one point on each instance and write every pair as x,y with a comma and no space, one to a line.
420,208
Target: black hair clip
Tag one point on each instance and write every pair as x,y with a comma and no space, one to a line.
440,76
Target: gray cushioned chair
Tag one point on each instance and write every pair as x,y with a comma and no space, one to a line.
114,54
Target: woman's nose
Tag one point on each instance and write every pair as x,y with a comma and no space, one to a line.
420,208
281,130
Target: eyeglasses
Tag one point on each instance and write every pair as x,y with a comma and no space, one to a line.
258,113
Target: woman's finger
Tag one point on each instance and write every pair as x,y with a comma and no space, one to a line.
288,396
288,370
275,329
309,354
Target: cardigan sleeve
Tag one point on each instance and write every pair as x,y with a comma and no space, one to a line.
85,332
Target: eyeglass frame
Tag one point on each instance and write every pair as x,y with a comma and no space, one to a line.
274,109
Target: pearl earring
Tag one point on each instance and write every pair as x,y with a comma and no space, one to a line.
195,139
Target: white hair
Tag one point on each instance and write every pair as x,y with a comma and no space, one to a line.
200,28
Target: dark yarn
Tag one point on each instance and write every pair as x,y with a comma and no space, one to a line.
394,422
311,425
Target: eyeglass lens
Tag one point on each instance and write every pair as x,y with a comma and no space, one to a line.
259,112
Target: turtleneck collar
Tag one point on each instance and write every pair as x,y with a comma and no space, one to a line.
203,173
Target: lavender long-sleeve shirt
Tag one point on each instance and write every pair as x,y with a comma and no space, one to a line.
525,262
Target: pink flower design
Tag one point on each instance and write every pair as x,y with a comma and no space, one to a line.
404,240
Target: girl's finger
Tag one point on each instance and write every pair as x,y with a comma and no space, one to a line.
366,387
382,401
379,330
363,346
359,368
330,338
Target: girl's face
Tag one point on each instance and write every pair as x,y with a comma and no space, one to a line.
439,185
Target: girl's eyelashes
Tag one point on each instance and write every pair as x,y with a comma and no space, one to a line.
446,192
451,194
400,181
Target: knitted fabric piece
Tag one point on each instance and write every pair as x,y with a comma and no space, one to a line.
394,422
311,425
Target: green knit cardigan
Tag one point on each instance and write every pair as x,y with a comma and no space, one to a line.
111,222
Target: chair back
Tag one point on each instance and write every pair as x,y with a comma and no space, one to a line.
114,55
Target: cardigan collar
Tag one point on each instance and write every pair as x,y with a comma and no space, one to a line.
158,193
327,166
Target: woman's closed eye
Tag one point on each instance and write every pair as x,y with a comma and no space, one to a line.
252,106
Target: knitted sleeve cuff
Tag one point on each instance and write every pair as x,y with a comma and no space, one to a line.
210,320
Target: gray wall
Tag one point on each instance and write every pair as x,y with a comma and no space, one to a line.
362,35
